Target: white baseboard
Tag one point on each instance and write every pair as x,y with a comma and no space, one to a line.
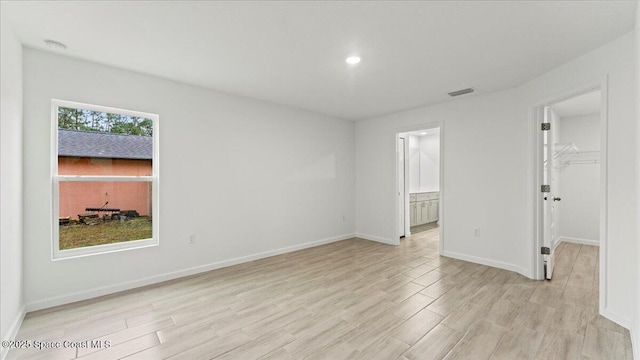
13,330
106,290
488,262
626,323
617,318
578,241
635,341
376,239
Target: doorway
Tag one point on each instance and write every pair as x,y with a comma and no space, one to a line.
402,169
419,182
571,191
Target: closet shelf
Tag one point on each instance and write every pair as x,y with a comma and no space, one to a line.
566,154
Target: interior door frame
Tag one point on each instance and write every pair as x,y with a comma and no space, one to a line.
441,213
538,116
406,231
550,116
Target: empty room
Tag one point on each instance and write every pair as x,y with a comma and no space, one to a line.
320,180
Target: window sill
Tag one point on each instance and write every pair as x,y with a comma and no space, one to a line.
102,249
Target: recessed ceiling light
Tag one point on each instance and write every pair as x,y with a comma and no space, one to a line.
423,133
56,45
353,60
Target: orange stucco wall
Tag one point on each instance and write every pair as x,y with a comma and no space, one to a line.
75,197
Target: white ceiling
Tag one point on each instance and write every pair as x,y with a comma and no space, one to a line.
425,132
293,53
584,104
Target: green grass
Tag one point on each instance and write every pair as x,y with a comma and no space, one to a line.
77,235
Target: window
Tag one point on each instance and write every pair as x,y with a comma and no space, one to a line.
105,179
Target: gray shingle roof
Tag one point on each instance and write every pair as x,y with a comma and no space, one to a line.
104,145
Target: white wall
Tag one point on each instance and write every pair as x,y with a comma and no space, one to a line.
414,163
429,162
11,295
555,182
579,216
472,152
424,163
249,178
489,179
616,60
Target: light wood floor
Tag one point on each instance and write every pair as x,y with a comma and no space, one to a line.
353,299
424,227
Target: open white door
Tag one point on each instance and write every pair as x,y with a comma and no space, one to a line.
401,197
549,189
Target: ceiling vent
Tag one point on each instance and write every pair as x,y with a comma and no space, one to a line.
461,92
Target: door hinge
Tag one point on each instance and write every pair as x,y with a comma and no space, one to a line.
545,188
546,126
545,250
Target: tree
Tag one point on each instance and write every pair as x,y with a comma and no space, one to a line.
88,120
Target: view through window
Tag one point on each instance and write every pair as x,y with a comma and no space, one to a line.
105,179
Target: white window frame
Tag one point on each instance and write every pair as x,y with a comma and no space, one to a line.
56,253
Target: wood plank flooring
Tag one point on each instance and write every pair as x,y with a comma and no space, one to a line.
353,299
424,227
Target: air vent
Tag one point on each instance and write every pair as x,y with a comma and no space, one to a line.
461,92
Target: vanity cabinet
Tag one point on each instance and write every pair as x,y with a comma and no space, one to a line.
432,210
423,208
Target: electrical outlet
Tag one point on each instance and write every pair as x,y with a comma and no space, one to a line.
476,232
192,239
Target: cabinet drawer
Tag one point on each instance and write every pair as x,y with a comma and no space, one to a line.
433,195
424,196
427,196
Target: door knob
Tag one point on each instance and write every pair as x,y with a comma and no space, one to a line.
556,199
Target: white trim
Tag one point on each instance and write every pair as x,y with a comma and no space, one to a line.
633,332
604,196
441,190
555,242
376,238
537,114
396,232
106,290
407,188
13,330
406,218
104,249
617,318
601,85
80,178
487,262
578,241
107,109
406,129
56,253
